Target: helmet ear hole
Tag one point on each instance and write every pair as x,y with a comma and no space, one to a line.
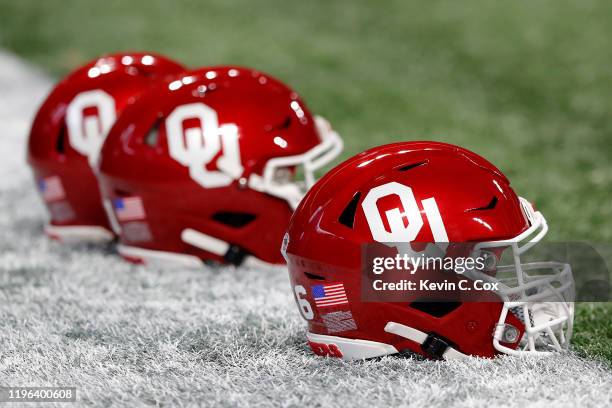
312,276
234,219
435,309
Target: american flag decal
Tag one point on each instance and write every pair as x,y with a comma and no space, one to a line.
129,208
51,188
329,295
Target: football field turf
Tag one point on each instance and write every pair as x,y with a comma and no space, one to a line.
528,86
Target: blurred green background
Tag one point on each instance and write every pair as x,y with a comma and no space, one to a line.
528,85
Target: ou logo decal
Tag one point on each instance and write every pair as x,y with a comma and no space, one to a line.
398,231
86,133
195,147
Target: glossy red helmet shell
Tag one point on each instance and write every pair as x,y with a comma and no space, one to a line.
68,131
207,160
324,242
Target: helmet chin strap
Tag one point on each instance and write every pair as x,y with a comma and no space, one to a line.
204,241
431,344
231,253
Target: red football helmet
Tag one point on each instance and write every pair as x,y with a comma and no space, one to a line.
404,196
210,166
68,132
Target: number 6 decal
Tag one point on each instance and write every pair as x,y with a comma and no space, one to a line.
305,308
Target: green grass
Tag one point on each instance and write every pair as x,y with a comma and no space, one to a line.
525,84
594,330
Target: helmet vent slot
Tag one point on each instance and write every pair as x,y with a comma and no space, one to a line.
234,219
412,166
312,276
489,206
347,218
285,124
60,143
122,193
435,309
152,136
